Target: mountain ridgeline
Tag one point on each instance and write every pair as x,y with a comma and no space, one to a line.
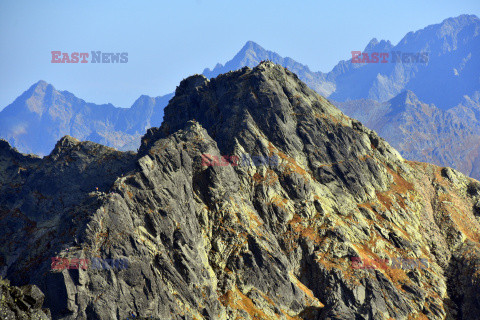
451,71
442,128
252,241
37,119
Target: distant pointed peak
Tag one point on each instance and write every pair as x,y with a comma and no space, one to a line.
143,103
373,42
40,85
251,46
143,98
39,88
378,46
405,96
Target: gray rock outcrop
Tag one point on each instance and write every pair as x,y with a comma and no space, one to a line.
271,241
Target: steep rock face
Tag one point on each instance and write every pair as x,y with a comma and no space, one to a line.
42,115
253,241
442,128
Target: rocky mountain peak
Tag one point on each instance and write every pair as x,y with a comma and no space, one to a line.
338,226
375,46
266,108
4,145
34,100
267,100
39,86
191,83
250,55
65,143
251,45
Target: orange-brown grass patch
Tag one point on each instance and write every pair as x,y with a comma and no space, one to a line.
270,178
341,265
402,231
366,205
307,232
381,220
384,199
444,197
267,298
325,259
469,228
255,217
291,165
289,239
397,276
417,316
296,219
438,178
369,206
257,223
271,148
238,301
258,178
458,214
328,117
364,250
399,187
278,202
423,165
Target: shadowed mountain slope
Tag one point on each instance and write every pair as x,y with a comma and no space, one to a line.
252,241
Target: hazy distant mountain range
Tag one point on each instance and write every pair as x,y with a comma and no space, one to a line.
37,119
424,132
452,70
428,111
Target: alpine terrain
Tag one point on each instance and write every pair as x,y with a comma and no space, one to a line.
339,226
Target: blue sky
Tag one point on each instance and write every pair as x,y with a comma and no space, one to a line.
167,41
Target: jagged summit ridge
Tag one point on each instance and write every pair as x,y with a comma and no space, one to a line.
270,241
266,76
269,95
268,107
